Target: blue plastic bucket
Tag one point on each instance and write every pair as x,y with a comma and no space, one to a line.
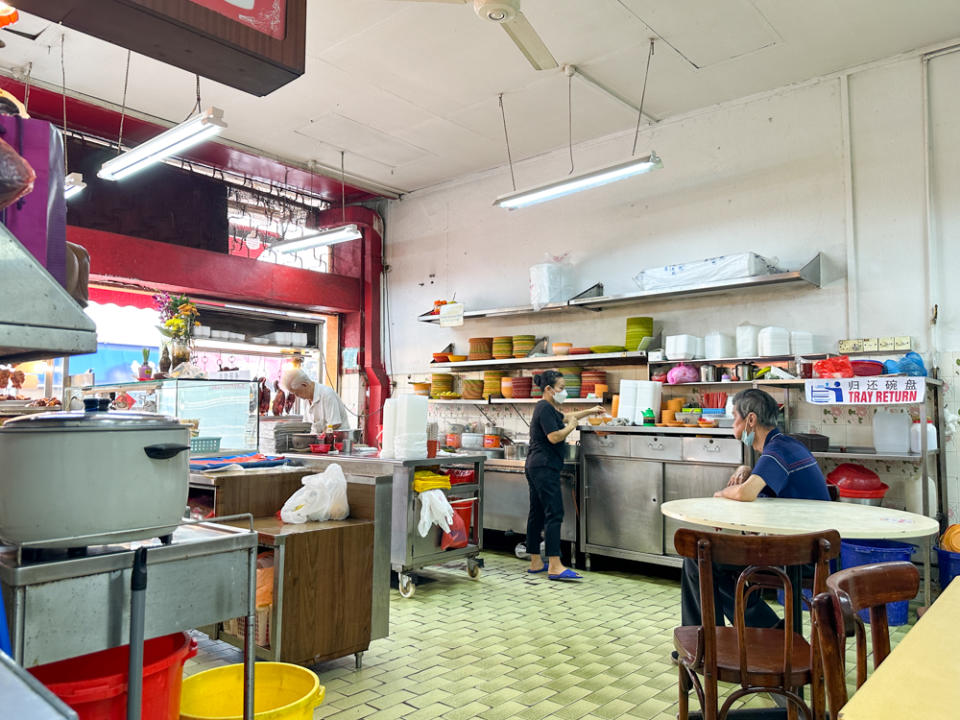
867,552
949,564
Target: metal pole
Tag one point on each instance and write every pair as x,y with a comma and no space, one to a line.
138,597
249,650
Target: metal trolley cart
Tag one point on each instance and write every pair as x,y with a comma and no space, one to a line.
409,552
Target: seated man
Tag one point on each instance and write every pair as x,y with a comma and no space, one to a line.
785,469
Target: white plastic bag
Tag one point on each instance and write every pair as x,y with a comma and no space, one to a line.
435,509
322,497
550,282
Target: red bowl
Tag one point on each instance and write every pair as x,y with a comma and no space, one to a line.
320,449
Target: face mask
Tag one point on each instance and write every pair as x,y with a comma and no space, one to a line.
747,437
560,397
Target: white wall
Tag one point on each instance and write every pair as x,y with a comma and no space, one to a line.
836,165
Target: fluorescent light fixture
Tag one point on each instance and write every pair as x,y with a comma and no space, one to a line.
330,236
73,185
176,139
568,186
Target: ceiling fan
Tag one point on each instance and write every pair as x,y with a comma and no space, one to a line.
506,13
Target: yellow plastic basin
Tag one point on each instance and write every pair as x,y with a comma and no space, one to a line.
282,692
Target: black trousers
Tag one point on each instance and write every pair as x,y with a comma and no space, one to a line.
756,614
546,509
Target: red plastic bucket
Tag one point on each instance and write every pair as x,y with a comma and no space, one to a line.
95,685
464,508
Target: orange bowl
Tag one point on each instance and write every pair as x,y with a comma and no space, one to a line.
441,357
595,420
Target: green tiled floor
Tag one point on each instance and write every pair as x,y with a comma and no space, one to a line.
511,645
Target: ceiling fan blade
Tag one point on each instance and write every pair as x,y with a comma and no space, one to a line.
533,48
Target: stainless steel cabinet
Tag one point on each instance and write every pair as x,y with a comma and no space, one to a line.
682,480
507,501
621,500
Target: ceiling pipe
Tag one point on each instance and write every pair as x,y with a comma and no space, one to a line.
574,71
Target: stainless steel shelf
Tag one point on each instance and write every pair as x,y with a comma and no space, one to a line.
809,274
549,361
534,401
733,361
866,454
458,402
654,430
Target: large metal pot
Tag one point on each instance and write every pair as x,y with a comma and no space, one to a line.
571,452
302,441
72,479
746,371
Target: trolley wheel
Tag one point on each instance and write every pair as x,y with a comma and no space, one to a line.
406,585
473,569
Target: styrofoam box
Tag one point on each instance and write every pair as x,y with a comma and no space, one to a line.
723,267
202,331
298,339
681,347
279,338
220,334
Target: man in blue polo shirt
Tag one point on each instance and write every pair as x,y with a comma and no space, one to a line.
786,469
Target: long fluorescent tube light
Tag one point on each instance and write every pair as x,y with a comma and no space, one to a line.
331,236
73,185
170,142
568,186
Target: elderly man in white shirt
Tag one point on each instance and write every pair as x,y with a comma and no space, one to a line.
326,407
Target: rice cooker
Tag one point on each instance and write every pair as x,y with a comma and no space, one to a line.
72,479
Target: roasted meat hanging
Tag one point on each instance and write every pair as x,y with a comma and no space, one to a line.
16,175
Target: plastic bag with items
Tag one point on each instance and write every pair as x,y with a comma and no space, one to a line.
550,281
435,509
909,364
322,497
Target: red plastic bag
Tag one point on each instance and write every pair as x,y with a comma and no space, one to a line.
457,537
459,475
834,367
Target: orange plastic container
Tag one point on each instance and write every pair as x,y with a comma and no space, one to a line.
95,685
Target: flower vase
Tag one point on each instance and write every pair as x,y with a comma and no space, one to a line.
180,351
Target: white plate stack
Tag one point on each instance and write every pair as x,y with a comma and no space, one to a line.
389,429
772,341
718,345
747,340
275,434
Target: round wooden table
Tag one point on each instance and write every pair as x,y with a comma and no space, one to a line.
776,516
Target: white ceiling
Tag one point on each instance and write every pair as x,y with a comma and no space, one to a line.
409,89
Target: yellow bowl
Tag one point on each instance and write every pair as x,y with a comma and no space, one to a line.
457,358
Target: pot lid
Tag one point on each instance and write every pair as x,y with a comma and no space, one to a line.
878,492
850,476
98,420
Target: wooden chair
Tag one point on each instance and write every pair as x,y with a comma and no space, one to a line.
835,619
774,660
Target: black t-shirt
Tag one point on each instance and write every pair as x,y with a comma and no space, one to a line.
543,453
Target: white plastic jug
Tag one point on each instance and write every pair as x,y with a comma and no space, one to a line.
913,495
891,431
915,436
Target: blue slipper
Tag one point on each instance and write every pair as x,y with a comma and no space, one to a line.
567,574
543,569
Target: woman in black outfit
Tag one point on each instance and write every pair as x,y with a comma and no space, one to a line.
549,429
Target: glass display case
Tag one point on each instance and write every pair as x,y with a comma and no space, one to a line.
224,409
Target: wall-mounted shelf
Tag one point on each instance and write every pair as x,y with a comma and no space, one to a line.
734,361
593,299
512,401
871,454
549,361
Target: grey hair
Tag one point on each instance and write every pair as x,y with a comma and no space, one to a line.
758,402
293,376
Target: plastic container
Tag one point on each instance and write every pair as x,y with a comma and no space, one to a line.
801,342
682,347
471,441
949,565
282,692
891,431
773,341
747,340
95,685
464,508
915,436
867,552
913,495
718,345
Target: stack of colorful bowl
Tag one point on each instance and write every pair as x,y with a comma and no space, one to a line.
506,387
523,345
421,388
637,329
535,392
503,347
481,349
589,379
441,383
473,389
522,387
491,384
572,377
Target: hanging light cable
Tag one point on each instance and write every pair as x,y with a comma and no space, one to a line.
73,183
